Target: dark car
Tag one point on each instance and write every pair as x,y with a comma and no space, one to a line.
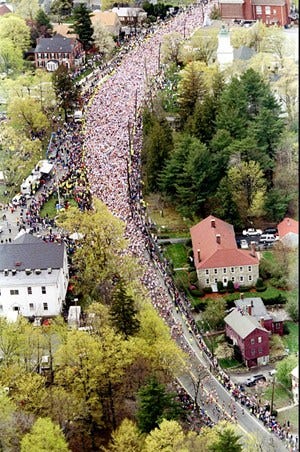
270,231
251,381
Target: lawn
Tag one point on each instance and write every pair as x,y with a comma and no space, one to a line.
291,340
165,217
177,254
50,207
292,415
282,397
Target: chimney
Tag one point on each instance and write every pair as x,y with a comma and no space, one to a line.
213,223
249,309
198,253
262,321
252,249
218,238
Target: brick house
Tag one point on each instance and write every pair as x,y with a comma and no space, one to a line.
250,335
52,52
217,257
256,308
270,12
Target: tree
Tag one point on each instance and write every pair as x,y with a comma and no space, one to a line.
66,91
154,405
26,115
228,439
214,314
204,44
82,25
62,8
123,313
11,59
126,438
168,436
171,48
39,26
248,188
27,10
14,28
45,436
292,307
284,368
191,88
103,41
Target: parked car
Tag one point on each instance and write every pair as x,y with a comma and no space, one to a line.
252,232
270,231
251,381
244,244
267,238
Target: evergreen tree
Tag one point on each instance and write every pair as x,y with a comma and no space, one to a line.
227,440
66,91
123,312
82,25
155,404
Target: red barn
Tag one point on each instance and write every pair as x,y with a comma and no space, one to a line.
251,337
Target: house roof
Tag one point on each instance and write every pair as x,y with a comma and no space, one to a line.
128,12
288,225
106,18
64,30
213,254
243,53
291,239
57,43
268,2
243,324
295,372
31,252
258,308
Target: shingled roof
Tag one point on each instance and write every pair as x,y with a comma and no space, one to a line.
243,324
57,43
31,252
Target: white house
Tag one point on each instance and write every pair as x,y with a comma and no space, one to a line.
33,277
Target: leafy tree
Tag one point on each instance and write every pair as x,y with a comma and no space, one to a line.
123,312
107,4
66,91
103,41
292,307
228,439
62,8
45,436
191,88
171,48
39,26
82,25
126,438
248,187
154,405
214,314
204,43
168,436
26,115
284,368
11,58
14,28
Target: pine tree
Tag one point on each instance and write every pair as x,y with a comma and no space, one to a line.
82,25
123,312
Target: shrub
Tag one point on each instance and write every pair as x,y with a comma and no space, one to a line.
237,353
220,285
286,329
188,244
244,288
207,289
193,278
230,287
259,283
196,292
273,299
261,289
222,290
231,298
199,305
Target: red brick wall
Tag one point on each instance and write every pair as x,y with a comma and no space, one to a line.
264,345
231,11
247,10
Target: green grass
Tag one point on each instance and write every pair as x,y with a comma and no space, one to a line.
177,254
268,255
282,397
50,209
291,340
292,415
228,363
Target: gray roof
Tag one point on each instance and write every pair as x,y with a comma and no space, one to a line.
30,252
242,324
258,309
243,53
57,43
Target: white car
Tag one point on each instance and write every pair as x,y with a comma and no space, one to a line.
252,232
244,244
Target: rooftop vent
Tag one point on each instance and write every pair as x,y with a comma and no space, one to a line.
213,223
5,272
38,271
28,271
49,270
218,238
13,271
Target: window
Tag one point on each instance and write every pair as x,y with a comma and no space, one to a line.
241,278
16,308
207,281
232,269
258,10
232,278
241,269
249,278
252,351
215,270
268,10
259,350
31,306
224,270
14,292
45,306
216,280
43,289
252,341
277,326
207,272
29,290
249,268
259,339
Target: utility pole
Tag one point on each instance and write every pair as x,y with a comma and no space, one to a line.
272,397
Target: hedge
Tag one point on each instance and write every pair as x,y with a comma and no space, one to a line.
199,305
273,299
